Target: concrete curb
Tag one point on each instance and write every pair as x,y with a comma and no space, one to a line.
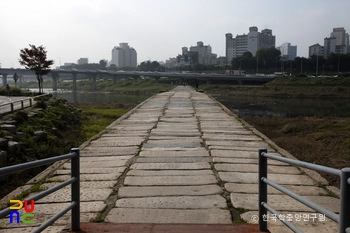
318,179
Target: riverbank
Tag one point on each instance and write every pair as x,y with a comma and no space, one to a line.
287,87
319,140
127,85
52,128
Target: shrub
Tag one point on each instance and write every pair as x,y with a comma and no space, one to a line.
294,127
20,117
41,104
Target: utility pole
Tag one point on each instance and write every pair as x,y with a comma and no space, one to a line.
317,66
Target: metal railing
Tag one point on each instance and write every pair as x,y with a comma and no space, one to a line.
22,101
75,188
343,218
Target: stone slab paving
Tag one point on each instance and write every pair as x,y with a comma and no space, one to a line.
170,166
183,159
178,158
165,153
153,191
169,172
253,189
173,202
283,203
134,215
252,178
170,180
254,167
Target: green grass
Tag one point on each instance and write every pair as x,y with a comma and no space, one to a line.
99,116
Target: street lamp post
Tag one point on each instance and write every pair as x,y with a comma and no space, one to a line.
60,61
317,65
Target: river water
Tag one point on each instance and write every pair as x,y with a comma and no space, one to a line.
286,107
241,105
97,97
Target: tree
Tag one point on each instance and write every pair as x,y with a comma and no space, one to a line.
15,78
103,64
267,57
34,58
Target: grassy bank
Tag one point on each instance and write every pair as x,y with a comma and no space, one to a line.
288,87
63,127
324,141
99,115
122,85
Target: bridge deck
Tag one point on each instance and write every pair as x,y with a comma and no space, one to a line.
179,158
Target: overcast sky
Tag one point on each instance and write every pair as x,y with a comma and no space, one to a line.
158,29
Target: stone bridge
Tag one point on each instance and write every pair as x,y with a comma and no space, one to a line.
180,157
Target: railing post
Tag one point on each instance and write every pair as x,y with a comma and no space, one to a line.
262,190
11,107
75,171
344,213
22,104
30,102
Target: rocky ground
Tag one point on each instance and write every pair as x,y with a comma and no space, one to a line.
36,133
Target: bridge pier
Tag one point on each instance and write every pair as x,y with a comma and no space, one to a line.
114,79
55,78
4,79
94,81
20,80
74,75
208,81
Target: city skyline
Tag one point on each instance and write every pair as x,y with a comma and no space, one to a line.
158,29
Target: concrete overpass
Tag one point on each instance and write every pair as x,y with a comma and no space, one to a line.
182,77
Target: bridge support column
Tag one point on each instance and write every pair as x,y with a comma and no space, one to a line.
54,81
157,79
94,81
240,82
4,79
180,81
208,81
114,80
20,77
74,81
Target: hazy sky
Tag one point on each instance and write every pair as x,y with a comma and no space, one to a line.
158,29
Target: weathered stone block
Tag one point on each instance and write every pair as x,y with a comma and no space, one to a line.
9,128
3,158
13,147
21,135
3,143
40,136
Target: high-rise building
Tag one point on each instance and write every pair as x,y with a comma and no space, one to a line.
341,40
288,52
251,42
124,56
205,56
316,49
329,46
83,61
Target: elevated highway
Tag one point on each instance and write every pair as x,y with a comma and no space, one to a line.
94,74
